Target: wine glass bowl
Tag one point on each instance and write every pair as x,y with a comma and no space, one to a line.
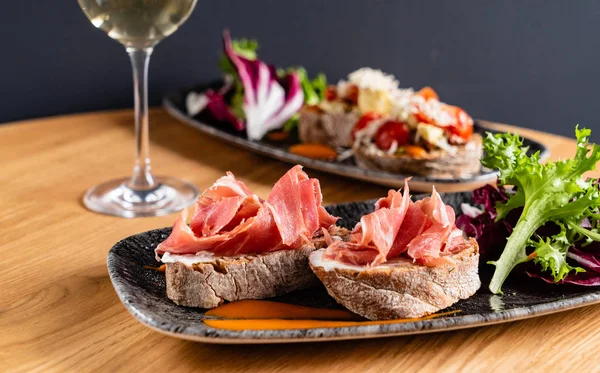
139,25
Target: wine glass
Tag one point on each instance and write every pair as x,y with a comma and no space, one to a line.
139,25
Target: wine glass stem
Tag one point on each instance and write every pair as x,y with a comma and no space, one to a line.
142,178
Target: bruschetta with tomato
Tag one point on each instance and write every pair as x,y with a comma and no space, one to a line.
393,129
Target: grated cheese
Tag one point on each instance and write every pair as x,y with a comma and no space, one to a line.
432,109
377,80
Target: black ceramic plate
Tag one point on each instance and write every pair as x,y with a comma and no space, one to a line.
142,291
174,103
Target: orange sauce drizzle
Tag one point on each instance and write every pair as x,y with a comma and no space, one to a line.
315,151
278,136
162,268
267,315
264,309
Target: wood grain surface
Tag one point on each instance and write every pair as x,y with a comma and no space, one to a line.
58,310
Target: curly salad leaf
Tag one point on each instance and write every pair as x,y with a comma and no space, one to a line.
555,192
550,254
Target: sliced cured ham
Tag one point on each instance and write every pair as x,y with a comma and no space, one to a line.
427,247
292,202
415,222
374,236
424,231
226,186
380,228
230,220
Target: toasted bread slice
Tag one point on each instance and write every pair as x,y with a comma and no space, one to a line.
206,285
437,163
399,288
324,128
253,276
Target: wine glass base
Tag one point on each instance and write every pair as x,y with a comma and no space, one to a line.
115,197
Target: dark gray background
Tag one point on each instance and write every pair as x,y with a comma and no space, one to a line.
531,63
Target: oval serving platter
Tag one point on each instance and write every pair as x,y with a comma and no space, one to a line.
143,292
174,103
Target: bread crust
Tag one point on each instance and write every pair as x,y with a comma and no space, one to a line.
253,276
324,128
206,285
404,289
437,163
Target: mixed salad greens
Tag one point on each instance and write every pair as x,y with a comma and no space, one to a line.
550,218
257,97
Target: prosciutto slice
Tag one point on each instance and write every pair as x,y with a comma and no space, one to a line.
294,207
426,248
415,222
373,237
230,220
424,231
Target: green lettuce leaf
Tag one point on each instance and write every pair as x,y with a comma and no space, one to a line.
237,101
555,191
244,47
291,123
551,255
314,89
318,86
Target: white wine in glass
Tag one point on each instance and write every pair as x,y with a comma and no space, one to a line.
139,25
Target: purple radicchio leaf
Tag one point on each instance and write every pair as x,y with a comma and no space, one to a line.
217,109
490,235
488,196
269,100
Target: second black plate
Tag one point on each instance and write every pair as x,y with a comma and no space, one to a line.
174,103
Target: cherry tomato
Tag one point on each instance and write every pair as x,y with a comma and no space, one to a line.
443,119
459,122
463,127
331,93
392,131
364,121
422,117
428,93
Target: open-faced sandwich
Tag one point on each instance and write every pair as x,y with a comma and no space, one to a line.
393,129
240,246
406,259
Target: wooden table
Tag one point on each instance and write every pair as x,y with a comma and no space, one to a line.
58,310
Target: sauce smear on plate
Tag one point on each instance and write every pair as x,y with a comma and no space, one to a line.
314,151
268,315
